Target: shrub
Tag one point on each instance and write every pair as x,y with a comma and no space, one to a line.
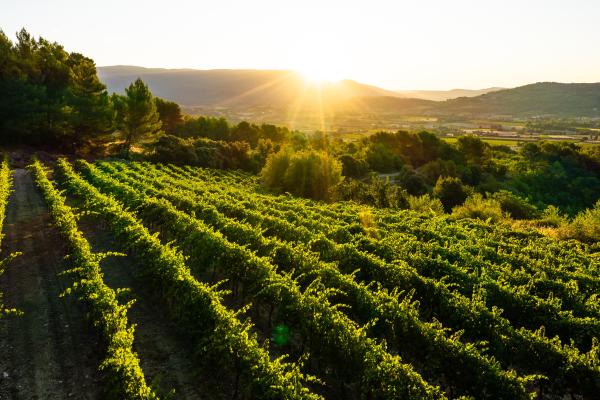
451,192
377,192
478,207
425,203
517,207
172,149
585,227
551,217
201,152
310,174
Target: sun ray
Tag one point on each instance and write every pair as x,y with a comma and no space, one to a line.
256,89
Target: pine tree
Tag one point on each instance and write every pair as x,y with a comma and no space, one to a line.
141,117
91,109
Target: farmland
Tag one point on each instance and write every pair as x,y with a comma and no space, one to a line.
195,282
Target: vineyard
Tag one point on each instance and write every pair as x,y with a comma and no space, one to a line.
277,297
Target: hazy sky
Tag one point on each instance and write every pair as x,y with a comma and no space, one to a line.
417,44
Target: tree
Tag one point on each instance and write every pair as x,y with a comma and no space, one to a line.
311,174
141,117
170,115
353,167
475,150
450,191
245,132
91,109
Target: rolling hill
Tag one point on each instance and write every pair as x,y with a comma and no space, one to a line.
441,95
542,99
537,99
289,93
235,88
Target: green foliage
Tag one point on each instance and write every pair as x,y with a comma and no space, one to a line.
450,191
5,190
570,171
382,159
219,337
432,170
482,282
552,217
319,141
121,364
309,174
201,152
140,117
475,150
585,227
401,315
219,129
49,96
376,192
515,206
402,147
476,206
425,203
412,181
169,114
353,167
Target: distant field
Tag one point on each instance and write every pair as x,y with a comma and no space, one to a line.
512,142
495,142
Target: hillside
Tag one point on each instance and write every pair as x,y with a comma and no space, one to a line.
288,92
538,99
441,95
235,88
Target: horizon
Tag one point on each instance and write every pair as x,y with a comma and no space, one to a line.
342,79
432,45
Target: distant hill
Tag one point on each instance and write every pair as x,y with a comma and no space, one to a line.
441,95
235,88
537,99
549,99
290,94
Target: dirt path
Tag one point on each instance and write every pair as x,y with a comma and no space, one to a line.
50,351
164,354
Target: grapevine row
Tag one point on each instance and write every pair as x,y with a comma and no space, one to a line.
121,363
217,333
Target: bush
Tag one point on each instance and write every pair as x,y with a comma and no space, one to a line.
425,203
551,217
412,181
201,152
451,192
172,149
478,207
377,192
311,174
517,207
353,167
585,227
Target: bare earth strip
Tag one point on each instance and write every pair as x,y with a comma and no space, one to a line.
164,354
50,352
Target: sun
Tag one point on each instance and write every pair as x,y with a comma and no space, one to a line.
315,73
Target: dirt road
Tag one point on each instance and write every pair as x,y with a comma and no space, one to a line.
50,351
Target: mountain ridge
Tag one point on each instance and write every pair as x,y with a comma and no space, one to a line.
287,90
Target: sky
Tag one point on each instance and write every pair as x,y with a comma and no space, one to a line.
395,44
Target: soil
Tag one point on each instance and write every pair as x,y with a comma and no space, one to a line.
50,351
165,356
